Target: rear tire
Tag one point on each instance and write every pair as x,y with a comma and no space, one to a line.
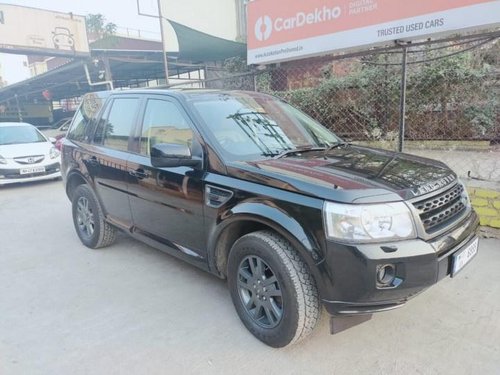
88,218
272,289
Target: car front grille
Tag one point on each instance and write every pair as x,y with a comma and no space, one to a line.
441,209
35,159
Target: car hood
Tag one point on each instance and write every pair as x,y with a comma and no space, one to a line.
349,174
25,149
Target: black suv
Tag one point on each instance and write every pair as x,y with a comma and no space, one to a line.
247,187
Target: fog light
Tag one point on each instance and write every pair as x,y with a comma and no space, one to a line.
386,274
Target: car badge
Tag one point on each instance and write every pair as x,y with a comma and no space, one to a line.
427,188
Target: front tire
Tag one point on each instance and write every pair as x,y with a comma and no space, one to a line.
272,289
88,218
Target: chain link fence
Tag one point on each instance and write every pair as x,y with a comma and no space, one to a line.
451,107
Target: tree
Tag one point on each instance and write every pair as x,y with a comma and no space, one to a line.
110,28
98,28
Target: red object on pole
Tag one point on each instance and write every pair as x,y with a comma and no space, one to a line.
47,94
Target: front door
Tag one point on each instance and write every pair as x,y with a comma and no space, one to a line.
167,203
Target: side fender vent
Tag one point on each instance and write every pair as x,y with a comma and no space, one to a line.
216,197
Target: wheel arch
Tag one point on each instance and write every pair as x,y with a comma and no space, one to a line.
73,180
251,217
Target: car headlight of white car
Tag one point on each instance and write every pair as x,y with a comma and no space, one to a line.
2,160
54,153
368,222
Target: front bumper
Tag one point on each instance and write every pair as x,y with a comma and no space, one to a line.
12,175
419,264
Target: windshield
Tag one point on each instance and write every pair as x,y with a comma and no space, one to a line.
12,135
247,126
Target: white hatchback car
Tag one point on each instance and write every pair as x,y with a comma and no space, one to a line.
26,154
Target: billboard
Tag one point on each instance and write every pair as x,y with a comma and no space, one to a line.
25,30
280,30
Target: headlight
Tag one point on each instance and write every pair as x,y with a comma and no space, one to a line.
2,160
53,153
368,223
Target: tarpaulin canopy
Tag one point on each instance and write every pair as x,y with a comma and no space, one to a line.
195,45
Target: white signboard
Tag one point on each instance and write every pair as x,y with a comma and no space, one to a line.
25,30
280,30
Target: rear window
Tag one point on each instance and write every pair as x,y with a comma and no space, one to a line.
87,112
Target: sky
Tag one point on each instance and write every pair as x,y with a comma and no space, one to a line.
123,13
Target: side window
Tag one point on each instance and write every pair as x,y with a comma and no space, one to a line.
114,132
164,123
78,126
87,112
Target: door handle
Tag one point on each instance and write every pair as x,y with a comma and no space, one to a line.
139,173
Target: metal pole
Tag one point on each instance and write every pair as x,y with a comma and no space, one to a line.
108,76
89,80
165,62
19,113
402,104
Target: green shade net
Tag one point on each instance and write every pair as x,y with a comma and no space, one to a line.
197,46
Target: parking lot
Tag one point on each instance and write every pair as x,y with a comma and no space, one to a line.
129,309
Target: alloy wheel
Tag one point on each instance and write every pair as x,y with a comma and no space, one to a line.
85,217
260,292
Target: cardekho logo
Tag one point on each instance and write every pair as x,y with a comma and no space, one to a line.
266,25
263,28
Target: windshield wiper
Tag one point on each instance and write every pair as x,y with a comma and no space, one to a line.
297,151
334,146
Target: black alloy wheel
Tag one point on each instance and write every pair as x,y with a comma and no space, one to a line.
260,292
85,217
272,289
90,224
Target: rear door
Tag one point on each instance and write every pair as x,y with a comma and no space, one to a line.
109,155
167,203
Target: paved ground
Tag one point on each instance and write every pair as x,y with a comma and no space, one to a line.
129,309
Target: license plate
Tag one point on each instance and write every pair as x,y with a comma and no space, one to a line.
32,170
462,257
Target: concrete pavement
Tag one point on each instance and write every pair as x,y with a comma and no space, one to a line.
129,309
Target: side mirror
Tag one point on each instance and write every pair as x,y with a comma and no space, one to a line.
164,155
52,140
